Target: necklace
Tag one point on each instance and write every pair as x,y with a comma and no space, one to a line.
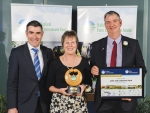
71,70
67,64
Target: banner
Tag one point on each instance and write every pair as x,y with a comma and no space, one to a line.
54,19
91,21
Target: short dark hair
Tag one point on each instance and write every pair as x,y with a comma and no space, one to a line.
111,13
71,33
34,23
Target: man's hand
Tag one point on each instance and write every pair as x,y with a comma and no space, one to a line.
128,99
13,110
95,70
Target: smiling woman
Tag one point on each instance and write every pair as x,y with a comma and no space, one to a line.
66,68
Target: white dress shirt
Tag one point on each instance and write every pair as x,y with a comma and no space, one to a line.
39,55
109,51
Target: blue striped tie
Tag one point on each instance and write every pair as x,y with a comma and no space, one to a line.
37,65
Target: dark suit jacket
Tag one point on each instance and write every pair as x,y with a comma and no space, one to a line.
131,56
22,83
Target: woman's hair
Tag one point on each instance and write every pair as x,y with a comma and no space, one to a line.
68,34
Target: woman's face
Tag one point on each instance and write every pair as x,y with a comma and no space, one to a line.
70,45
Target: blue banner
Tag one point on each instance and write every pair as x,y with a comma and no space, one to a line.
122,71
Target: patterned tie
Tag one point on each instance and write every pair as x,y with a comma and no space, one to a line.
113,55
37,65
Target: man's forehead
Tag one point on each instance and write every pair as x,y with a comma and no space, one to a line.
33,28
111,17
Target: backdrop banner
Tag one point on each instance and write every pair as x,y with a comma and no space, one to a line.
55,19
91,21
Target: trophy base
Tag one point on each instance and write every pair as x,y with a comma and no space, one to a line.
73,90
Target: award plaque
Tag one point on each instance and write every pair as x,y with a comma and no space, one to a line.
122,82
73,78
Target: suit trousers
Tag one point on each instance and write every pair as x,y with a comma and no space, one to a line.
38,107
112,106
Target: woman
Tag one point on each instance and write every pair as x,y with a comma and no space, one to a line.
63,102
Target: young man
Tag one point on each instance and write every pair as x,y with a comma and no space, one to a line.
128,53
27,74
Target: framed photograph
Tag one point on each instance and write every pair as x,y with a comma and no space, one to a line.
121,82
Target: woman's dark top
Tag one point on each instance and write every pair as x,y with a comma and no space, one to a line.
57,71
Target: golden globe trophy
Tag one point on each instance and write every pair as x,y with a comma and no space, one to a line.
73,78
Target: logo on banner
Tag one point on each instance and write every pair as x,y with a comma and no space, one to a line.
22,25
91,26
88,27
126,71
21,21
103,72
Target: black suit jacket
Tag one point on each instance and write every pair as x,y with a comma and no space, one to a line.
131,56
22,83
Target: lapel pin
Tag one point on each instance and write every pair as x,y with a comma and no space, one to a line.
125,43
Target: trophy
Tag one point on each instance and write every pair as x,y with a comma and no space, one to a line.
73,78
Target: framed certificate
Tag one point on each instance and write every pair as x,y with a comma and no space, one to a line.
122,82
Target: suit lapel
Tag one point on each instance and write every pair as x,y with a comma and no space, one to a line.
27,56
101,55
124,51
44,53
104,49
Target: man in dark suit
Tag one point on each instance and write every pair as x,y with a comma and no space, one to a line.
26,84
128,53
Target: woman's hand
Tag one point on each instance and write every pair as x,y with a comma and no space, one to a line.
63,91
59,90
82,89
128,99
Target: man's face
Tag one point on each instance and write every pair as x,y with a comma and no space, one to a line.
34,35
113,24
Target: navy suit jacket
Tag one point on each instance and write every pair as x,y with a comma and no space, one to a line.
131,56
22,83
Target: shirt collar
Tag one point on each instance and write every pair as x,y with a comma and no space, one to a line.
110,40
30,46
